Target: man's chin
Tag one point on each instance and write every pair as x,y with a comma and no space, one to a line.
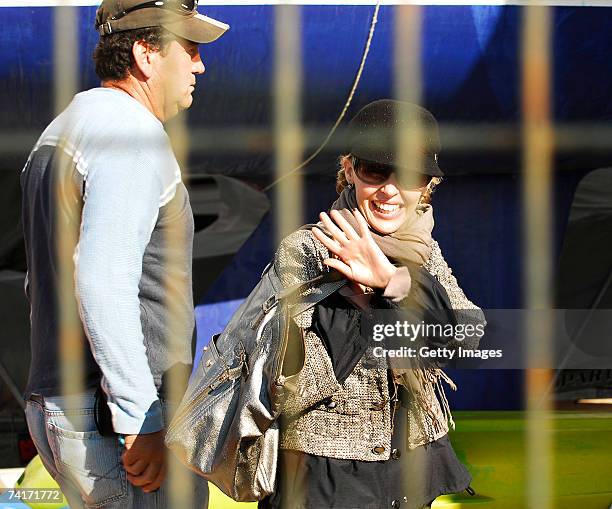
187,102
182,106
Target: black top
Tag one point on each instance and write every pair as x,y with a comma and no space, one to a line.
411,478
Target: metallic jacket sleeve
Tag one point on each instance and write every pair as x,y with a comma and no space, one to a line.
300,258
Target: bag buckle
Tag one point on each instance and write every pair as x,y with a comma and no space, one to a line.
269,304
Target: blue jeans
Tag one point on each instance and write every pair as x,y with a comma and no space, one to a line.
86,465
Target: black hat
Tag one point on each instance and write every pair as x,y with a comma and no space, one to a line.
372,133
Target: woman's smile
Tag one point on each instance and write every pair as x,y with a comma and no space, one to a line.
385,210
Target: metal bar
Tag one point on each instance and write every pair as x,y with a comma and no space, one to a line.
594,137
288,135
71,347
180,480
408,86
288,139
65,55
537,224
409,141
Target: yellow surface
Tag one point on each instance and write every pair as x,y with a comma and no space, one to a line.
493,447
36,477
218,500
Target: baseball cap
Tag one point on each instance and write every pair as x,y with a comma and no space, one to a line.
180,17
372,133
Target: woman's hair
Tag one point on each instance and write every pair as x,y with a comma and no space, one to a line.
342,182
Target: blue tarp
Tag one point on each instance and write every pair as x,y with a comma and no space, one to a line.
471,69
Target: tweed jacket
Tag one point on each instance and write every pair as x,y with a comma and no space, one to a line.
353,419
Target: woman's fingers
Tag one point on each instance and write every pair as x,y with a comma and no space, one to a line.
330,244
347,228
340,266
364,230
336,232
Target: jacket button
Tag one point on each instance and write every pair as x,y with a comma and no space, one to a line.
378,406
331,404
395,504
205,348
379,449
209,363
396,453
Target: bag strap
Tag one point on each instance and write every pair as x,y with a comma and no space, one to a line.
332,276
326,288
328,282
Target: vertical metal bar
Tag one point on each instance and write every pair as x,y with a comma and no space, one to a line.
179,478
408,86
407,53
537,224
65,54
288,135
65,59
288,141
409,137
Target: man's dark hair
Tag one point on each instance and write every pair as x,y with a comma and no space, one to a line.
113,54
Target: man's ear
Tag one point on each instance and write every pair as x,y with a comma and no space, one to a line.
143,59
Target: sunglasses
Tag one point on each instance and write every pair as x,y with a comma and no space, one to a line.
377,174
178,6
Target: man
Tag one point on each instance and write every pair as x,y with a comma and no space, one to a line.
108,157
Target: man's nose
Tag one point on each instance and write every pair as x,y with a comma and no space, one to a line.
198,65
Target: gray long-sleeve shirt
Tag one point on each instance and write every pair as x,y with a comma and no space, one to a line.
109,157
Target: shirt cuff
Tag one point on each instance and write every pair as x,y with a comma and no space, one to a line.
126,424
399,285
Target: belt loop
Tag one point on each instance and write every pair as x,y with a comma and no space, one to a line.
37,398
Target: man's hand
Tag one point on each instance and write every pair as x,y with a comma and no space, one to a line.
144,460
358,257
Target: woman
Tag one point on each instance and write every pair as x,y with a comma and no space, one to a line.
358,432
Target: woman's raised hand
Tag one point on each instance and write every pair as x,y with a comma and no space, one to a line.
357,256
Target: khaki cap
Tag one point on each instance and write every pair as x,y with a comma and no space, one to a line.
179,17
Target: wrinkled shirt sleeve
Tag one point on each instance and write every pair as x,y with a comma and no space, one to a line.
120,209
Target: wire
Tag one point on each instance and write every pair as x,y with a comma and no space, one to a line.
12,386
346,105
